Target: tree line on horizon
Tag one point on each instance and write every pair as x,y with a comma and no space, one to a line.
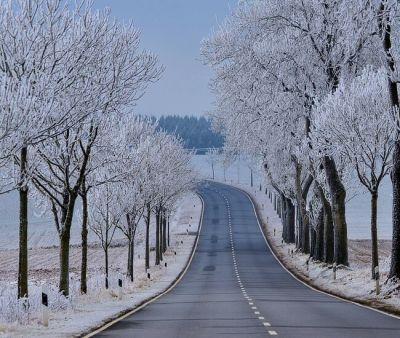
195,132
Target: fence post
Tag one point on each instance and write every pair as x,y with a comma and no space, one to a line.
45,306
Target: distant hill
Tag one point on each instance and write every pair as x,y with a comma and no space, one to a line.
195,132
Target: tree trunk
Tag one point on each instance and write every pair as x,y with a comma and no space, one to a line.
106,264
338,196
131,239
164,232
64,246
395,258
168,242
84,235
157,237
313,238
328,235
129,265
147,254
284,221
23,226
131,257
319,237
306,220
300,232
161,236
64,263
385,26
304,224
290,219
374,232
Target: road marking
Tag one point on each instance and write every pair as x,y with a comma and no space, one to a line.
266,324
167,290
256,312
254,307
272,333
261,318
251,303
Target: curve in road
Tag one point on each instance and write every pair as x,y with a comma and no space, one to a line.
235,287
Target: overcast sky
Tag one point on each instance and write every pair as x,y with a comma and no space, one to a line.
173,29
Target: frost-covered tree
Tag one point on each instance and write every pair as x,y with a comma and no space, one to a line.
355,123
48,51
105,216
174,176
119,77
266,88
212,159
388,29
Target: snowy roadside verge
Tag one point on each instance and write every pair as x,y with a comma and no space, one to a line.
352,284
96,309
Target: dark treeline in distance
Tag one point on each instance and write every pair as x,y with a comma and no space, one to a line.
195,132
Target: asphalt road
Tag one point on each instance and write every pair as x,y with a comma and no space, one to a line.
235,288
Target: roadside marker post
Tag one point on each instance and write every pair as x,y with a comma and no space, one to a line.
334,271
119,288
45,307
378,291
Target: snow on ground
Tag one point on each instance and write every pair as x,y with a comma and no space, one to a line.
353,282
83,312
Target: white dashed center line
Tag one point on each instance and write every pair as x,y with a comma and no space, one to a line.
242,288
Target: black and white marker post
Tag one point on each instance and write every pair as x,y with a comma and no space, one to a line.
45,307
334,271
119,289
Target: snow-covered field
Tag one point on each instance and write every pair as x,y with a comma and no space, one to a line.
80,313
352,282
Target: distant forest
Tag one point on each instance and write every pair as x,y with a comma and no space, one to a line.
195,132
